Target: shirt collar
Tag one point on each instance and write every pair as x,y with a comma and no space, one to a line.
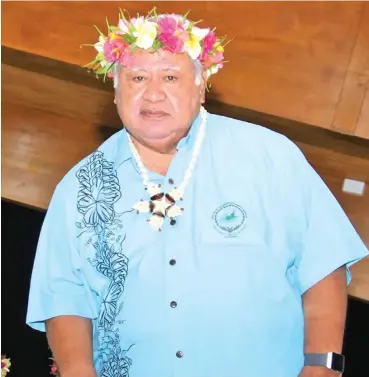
124,152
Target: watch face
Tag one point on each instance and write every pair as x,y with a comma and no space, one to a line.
338,362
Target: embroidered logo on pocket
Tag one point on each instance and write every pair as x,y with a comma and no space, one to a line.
229,219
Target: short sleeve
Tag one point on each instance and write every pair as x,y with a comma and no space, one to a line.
328,239
58,285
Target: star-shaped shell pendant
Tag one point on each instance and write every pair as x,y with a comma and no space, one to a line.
160,206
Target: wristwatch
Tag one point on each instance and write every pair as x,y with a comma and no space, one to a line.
331,360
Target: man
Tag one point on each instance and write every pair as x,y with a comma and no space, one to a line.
189,244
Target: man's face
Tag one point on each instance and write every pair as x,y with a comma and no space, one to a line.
157,97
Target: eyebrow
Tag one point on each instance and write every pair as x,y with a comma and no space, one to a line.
170,68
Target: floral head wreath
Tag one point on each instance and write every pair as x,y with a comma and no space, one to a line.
166,32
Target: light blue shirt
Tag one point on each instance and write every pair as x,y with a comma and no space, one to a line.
218,294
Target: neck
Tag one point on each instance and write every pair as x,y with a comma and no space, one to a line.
155,161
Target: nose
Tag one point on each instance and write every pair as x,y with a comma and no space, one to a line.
153,92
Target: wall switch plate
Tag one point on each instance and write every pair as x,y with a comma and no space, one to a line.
353,186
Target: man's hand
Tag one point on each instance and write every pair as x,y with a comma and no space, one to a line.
317,371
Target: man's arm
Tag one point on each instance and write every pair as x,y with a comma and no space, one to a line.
325,307
70,340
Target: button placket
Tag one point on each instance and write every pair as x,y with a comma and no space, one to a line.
173,288
173,270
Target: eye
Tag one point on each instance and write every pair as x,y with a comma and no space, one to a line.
138,78
171,78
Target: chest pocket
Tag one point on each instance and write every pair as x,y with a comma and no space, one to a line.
230,225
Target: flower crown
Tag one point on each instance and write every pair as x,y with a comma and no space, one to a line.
168,32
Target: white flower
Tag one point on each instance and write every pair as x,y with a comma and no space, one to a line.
123,26
145,32
199,33
212,70
193,46
186,24
99,46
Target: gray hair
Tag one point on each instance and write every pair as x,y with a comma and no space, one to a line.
198,67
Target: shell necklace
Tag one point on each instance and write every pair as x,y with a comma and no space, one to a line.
162,205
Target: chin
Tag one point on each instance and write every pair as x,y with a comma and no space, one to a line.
156,129
165,135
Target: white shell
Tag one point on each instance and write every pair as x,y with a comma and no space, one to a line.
176,194
160,206
153,189
156,222
142,206
174,211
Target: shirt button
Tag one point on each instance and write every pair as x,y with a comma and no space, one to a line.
172,262
170,180
173,304
179,354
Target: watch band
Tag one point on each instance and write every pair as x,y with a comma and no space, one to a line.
330,360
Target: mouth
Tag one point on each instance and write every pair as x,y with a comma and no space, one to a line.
153,114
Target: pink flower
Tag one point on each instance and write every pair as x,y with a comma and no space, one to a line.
216,58
54,369
5,365
172,34
117,50
208,44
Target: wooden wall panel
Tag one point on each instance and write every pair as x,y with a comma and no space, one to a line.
362,129
71,100
38,149
288,58
351,114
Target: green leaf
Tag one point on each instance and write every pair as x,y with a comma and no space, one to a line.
131,28
129,38
155,14
185,16
86,44
114,28
153,10
99,31
156,45
197,22
129,16
229,41
121,14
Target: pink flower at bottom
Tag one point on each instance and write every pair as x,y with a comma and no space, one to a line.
5,365
54,369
